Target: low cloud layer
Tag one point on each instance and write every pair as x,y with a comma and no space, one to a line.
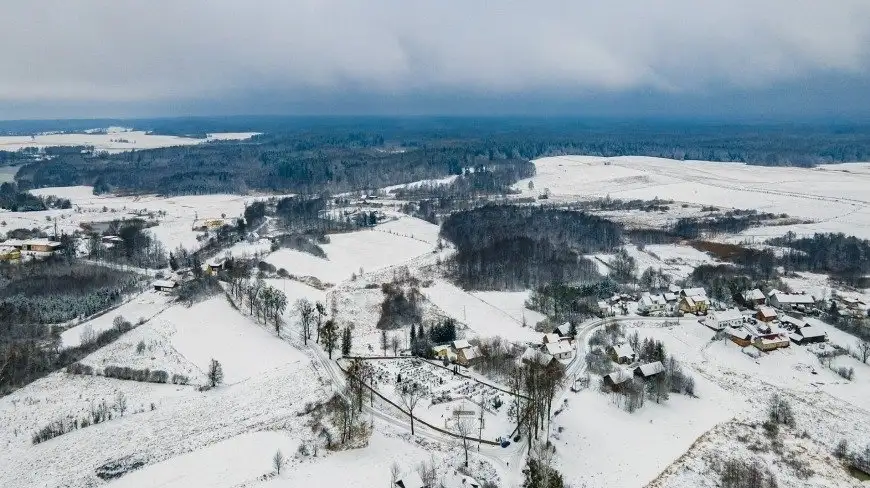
78,51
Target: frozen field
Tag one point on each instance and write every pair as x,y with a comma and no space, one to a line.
113,142
368,250
213,329
834,197
229,463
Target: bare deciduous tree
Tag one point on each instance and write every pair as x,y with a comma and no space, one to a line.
464,428
394,344
411,394
121,403
864,350
215,373
305,310
278,461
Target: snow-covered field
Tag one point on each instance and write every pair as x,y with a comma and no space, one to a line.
142,306
348,254
114,141
482,313
834,197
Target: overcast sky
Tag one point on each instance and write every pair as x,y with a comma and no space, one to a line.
783,58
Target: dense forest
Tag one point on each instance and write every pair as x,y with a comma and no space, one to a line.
15,199
843,257
519,247
36,295
306,155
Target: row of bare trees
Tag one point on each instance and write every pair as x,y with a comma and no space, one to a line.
534,386
264,301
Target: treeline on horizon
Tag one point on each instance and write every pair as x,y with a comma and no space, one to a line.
341,154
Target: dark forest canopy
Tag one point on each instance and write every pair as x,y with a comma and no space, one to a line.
518,247
841,256
339,154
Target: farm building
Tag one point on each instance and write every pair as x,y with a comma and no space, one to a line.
616,378
622,354
721,319
771,342
766,314
551,338
467,355
788,301
563,330
216,264
559,350
754,297
649,370
792,322
459,480
808,335
164,285
739,336
460,344
410,480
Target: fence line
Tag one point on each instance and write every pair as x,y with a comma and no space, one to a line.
415,419
438,364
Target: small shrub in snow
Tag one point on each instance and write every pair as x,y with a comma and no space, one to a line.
780,411
79,368
842,449
140,348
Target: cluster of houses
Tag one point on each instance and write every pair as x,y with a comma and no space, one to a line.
767,327
686,300
625,355
13,249
459,352
555,346
212,266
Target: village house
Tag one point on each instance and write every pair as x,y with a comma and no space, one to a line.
622,354
410,480
9,253
649,370
720,319
791,301
651,304
467,355
694,304
739,336
559,350
444,352
766,314
563,330
111,241
770,342
532,355
551,338
754,297
164,285
459,480
34,246
616,378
